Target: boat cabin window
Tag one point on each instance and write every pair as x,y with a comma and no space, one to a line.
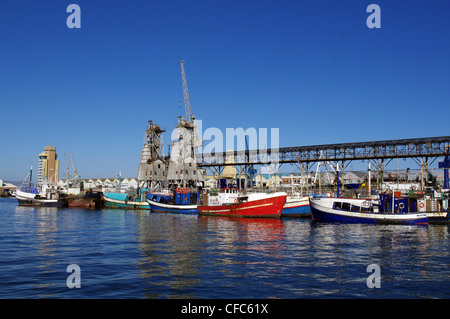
345,206
337,205
366,209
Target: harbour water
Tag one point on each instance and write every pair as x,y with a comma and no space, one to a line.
139,254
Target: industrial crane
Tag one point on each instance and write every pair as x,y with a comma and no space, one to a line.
194,138
187,101
67,170
75,170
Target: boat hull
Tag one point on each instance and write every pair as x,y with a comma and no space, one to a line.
171,208
86,200
23,201
83,203
116,203
296,208
327,214
263,208
438,217
120,201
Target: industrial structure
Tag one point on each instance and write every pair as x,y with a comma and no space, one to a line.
424,151
152,167
445,164
419,148
183,168
180,167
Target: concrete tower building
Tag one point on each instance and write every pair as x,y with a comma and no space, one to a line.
48,167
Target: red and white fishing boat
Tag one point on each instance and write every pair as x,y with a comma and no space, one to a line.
236,204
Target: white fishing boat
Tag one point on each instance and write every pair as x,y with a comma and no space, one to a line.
387,209
46,195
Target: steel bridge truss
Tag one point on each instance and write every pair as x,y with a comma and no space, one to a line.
424,148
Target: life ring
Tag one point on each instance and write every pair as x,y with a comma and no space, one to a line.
185,197
421,205
401,205
235,200
217,200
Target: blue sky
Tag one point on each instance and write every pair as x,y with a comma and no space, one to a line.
313,69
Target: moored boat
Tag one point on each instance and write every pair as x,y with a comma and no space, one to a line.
88,199
387,209
47,197
126,200
236,204
296,207
436,207
179,200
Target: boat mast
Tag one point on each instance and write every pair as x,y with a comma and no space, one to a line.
370,186
393,200
337,179
31,175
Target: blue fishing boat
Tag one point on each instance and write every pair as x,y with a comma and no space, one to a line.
386,209
180,200
296,207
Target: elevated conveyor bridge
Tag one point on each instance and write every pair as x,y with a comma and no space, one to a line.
421,149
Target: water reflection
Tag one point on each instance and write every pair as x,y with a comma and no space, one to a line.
170,249
185,256
41,221
135,254
182,253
